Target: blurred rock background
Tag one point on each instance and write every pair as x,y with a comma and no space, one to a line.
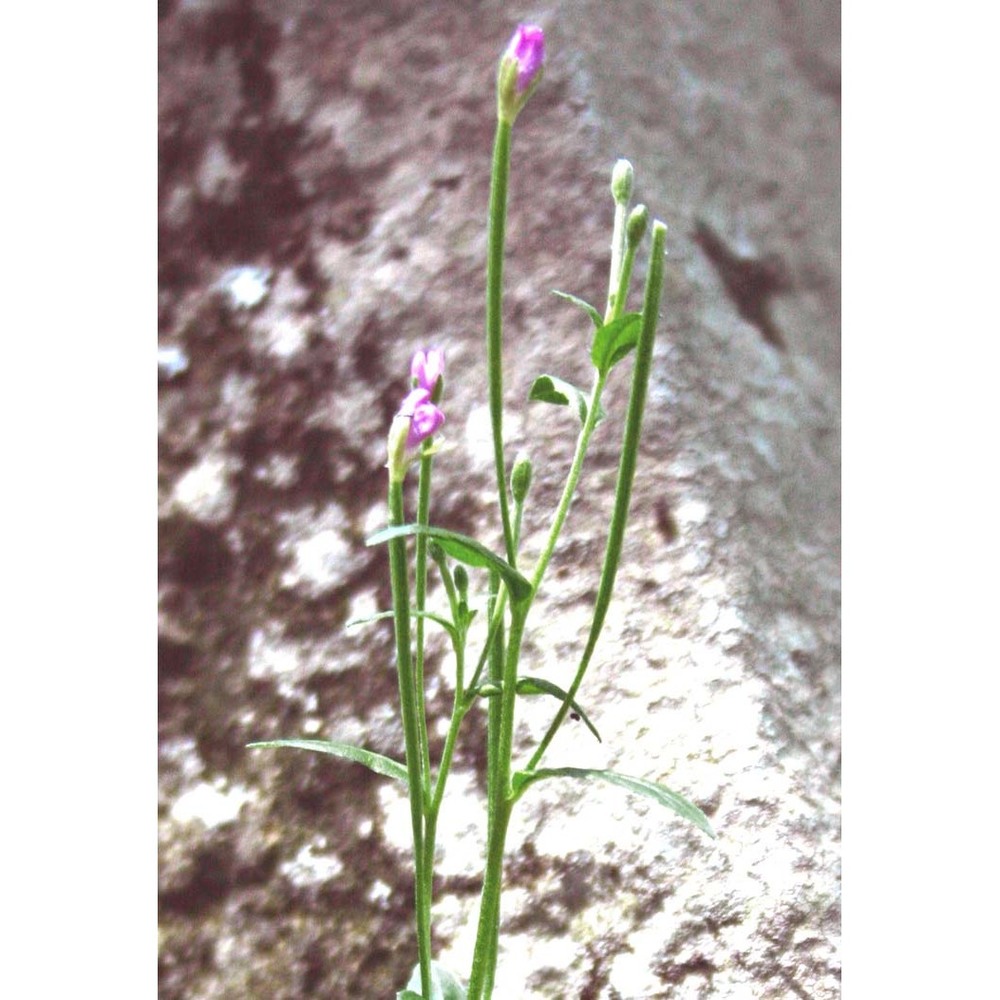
324,170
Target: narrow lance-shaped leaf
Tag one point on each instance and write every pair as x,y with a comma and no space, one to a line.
465,550
448,626
659,793
373,761
538,685
586,306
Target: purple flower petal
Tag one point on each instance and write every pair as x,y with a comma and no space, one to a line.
528,48
426,420
427,367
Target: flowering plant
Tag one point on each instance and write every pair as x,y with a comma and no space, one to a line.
495,681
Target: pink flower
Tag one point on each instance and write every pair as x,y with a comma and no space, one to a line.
418,418
520,71
527,48
424,417
427,368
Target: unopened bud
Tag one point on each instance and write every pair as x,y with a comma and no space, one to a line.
462,581
621,181
520,478
635,228
520,70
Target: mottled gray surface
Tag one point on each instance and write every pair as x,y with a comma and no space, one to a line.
344,148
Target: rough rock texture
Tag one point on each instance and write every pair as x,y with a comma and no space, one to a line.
342,148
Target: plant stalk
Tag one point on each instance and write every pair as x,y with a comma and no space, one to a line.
409,701
626,475
494,317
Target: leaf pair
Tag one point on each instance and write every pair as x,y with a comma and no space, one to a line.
521,780
612,342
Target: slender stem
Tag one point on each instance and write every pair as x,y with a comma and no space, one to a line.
494,317
626,475
420,601
458,710
495,659
616,303
617,248
495,610
559,518
499,806
411,731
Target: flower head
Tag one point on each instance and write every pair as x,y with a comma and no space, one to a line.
425,417
427,369
520,70
418,419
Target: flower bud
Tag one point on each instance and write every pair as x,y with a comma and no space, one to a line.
621,182
418,418
520,70
520,478
462,581
635,228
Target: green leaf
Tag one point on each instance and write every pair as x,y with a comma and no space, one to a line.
444,986
383,615
538,685
465,550
373,761
592,312
659,793
613,341
550,389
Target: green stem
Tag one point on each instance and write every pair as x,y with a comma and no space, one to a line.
494,611
626,475
458,710
616,303
408,701
420,600
617,248
500,801
559,518
494,317
495,659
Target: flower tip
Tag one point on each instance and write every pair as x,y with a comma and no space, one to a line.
520,70
427,369
622,177
527,47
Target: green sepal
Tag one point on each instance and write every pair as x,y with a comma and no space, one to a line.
448,626
551,389
538,685
444,985
659,793
464,549
590,310
613,341
373,761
